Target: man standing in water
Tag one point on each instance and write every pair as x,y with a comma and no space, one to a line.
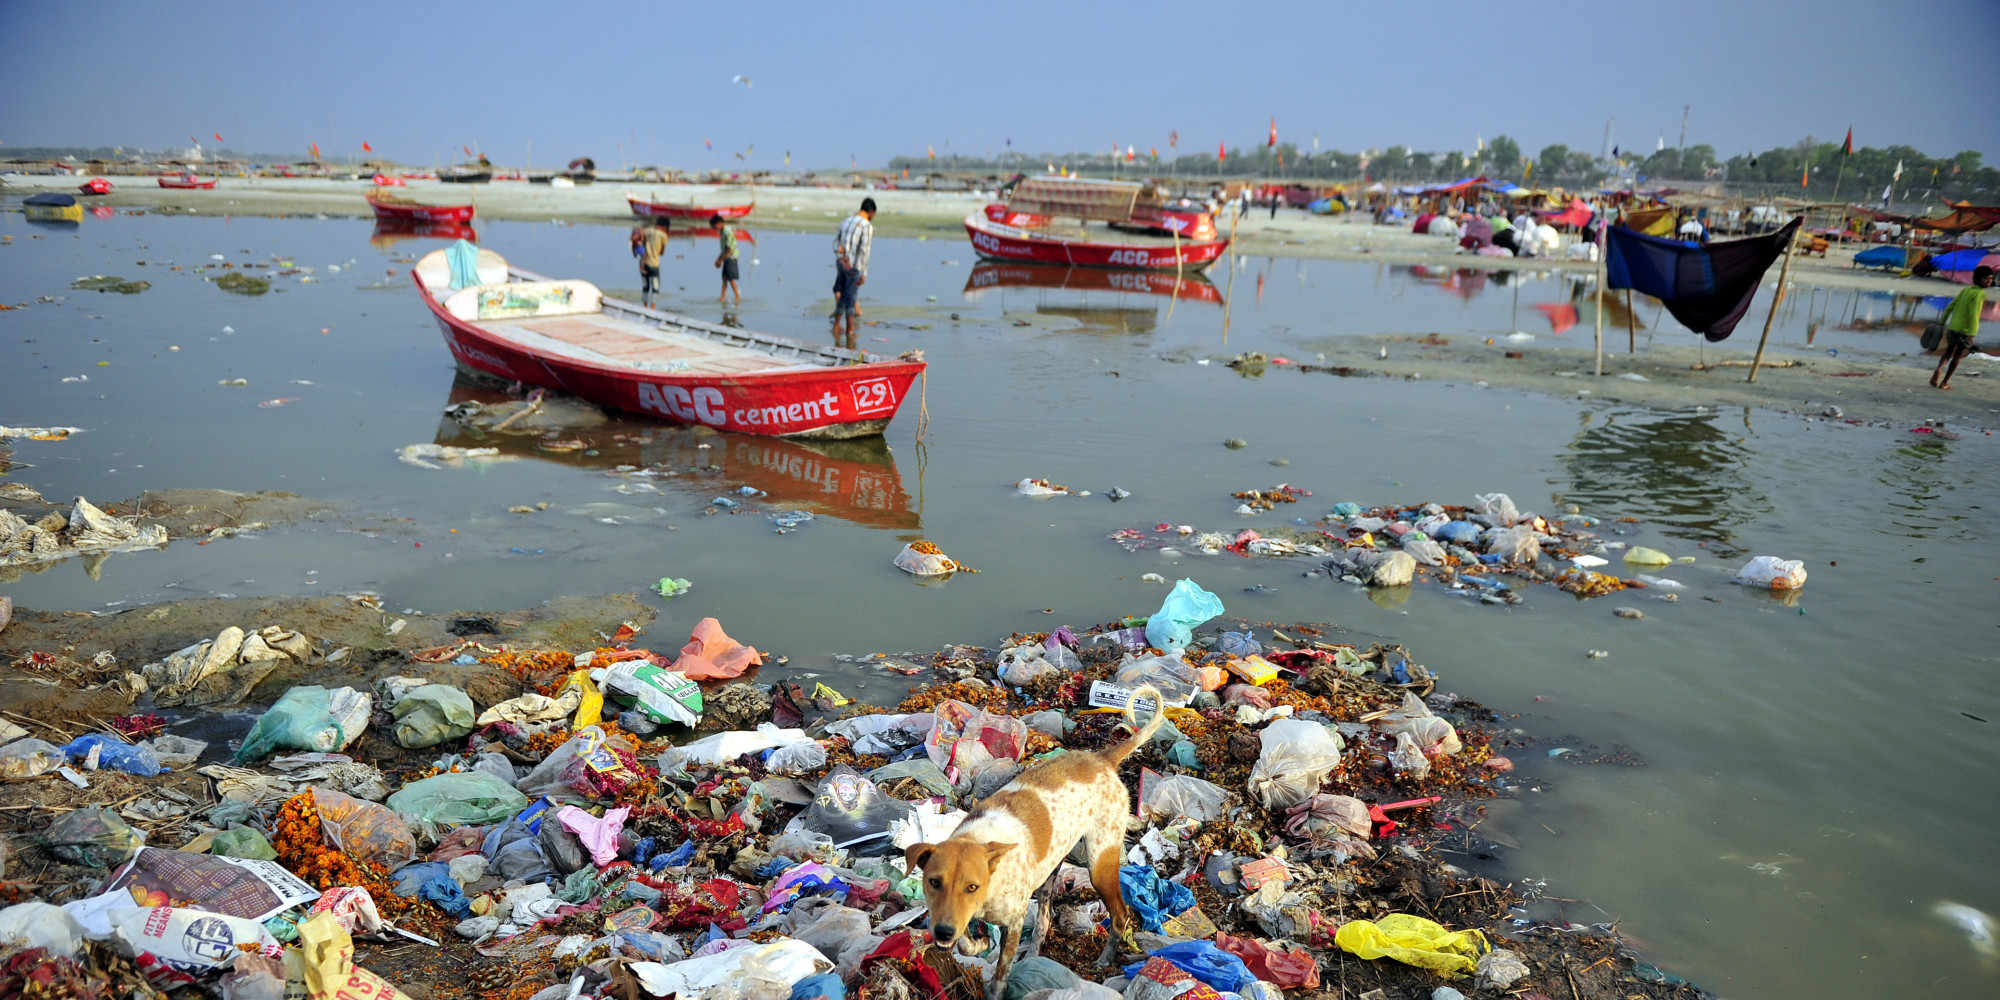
850,255
726,259
651,247
1961,324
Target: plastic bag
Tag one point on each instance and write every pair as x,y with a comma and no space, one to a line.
1329,817
578,771
1242,643
1182,797
918,563
589,700
663,695
1021,665
1499,969
175,751
28,758
242,842
1413,940
711,654
307,718
1159,979
1408,758
364,830
514,853
1172,627
431,715
1204,961
92,836
462,798
564,849
598,834
848,807
36,924
1032,974
1175,679
829,926
531,707
1296,756
1773,572
1518,545
969,738
1394,568
796,758
1640,555
431,880
1292,970
186,943
112,753
1422,549
252,976
1498,506
327,969
918,769
1456,532
1153,899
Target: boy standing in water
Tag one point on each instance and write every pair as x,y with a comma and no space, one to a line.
1961,325
726,259
652,246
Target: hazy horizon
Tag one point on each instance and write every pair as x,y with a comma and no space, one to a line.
892,79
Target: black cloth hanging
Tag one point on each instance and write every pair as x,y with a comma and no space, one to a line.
1708,288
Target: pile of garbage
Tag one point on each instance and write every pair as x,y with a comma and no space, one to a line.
85,530
1481,550
615,830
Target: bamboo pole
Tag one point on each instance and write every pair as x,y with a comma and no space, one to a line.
1631,325
1776,297
1601,278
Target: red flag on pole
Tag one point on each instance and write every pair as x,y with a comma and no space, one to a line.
1847,148
366,148
468,150
218,137
315,150
1220,154
1804,173
1173,139
1273,141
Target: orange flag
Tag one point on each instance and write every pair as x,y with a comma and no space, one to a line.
218,137
1804,172
1219,154
366,148
315,150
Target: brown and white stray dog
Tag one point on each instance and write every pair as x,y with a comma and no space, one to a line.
990,867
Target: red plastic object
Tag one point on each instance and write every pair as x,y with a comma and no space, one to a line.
1385,826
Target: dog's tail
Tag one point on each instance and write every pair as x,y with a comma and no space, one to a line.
1119,751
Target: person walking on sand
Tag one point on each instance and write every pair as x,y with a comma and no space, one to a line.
726,259
1276,197
651,247
850,257
1961,325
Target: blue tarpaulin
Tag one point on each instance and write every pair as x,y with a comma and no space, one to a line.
1708,288
1880,257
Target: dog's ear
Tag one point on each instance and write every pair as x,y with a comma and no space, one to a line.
994,851
916,855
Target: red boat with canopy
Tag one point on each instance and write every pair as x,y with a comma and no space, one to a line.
394,208
1047,220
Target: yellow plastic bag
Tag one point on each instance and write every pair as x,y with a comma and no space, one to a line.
1414,941
591,709
324,962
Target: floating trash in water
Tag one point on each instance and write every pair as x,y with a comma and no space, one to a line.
787,521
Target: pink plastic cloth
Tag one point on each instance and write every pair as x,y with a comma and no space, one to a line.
712,655
599,836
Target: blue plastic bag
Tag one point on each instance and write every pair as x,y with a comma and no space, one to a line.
1346,509
1172,627
432,880
826,984
1242,643
114,754
1457,532
1204,961
1153,900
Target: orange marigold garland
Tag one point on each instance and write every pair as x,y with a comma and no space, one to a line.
931,549
301,846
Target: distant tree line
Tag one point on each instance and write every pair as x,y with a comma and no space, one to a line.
1961,176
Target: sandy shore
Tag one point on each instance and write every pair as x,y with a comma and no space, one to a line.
903,213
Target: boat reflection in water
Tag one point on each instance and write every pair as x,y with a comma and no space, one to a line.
854,480
1116,313
388,233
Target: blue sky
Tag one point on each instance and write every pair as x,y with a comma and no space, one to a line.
873,80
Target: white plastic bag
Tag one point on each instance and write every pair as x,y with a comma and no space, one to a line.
1395,568
187,943
785,961
1498,506
1423,549
35,924
1773,572
970,738
1180,796
1296,756
1023,664
1030,488
923,564
1408,758
1518,544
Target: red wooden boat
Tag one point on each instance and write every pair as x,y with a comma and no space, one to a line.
391,208
1142,230
186,181
986,277
95,185
566,335
687,209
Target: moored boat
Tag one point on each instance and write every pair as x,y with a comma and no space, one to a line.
567,335
1141,228
469,174
187,182
95,185
688,209
393,208
51,206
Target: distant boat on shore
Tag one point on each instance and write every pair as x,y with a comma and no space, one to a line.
688,209
1141,231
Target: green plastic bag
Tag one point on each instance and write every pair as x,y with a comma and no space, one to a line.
242,842
664,695
92,836
431,715
458,798
1172,627
304,719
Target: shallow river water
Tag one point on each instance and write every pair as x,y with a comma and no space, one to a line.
1816,774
